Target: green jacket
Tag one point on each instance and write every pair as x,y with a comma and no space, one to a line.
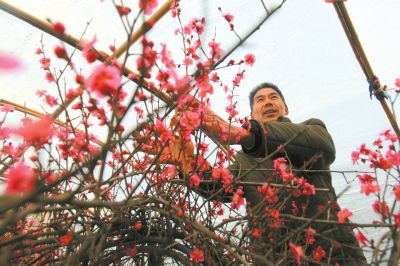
309,151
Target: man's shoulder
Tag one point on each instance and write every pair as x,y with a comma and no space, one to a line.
314,121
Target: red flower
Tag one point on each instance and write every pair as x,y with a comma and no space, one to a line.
104,80
65,240
88,50
59,28
7,108
310,236
148,5
132,251
59,51
343,215
255,232
215,51
49,76
197,255
138,226
21,179
397,219
38,132
195,180
249,59
319,253
123,10
297,252
237,199
381,207
396,191
361,237
45,62
368,188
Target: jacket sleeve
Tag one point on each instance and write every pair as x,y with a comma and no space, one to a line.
302,142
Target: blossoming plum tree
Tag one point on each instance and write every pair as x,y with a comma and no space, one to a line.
119,180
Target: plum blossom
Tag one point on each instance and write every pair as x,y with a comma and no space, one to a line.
361,238
123,10
66,239
21,178
88,50
237,199
249,59
104,80
343,215
297,252
197,255
319,253
58,27
36,133
8,62
148,5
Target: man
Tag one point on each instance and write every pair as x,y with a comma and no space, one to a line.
287,215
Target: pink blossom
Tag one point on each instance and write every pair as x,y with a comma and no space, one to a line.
45,62
249,59
8,62
381,207
189,122
228,17
123,10
238,78
319,253
148,5
194,180
366,178
88,50
343,215
215,51
297,252
197,255
396,192
104,80
7,108
237,199
397,219
310,236
162,131
49,76
51,100
368,188
361,238
38,132
21,179
66,239
59,28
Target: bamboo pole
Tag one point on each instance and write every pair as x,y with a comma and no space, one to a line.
143,29
26,110
47,27
362,59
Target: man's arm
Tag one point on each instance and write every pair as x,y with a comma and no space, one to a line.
217,128
307,140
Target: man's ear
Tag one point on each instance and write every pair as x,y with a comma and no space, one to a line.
251,115
286,110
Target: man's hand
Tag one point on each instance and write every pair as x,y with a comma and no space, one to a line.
176,151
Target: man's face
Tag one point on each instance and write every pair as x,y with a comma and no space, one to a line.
268,106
